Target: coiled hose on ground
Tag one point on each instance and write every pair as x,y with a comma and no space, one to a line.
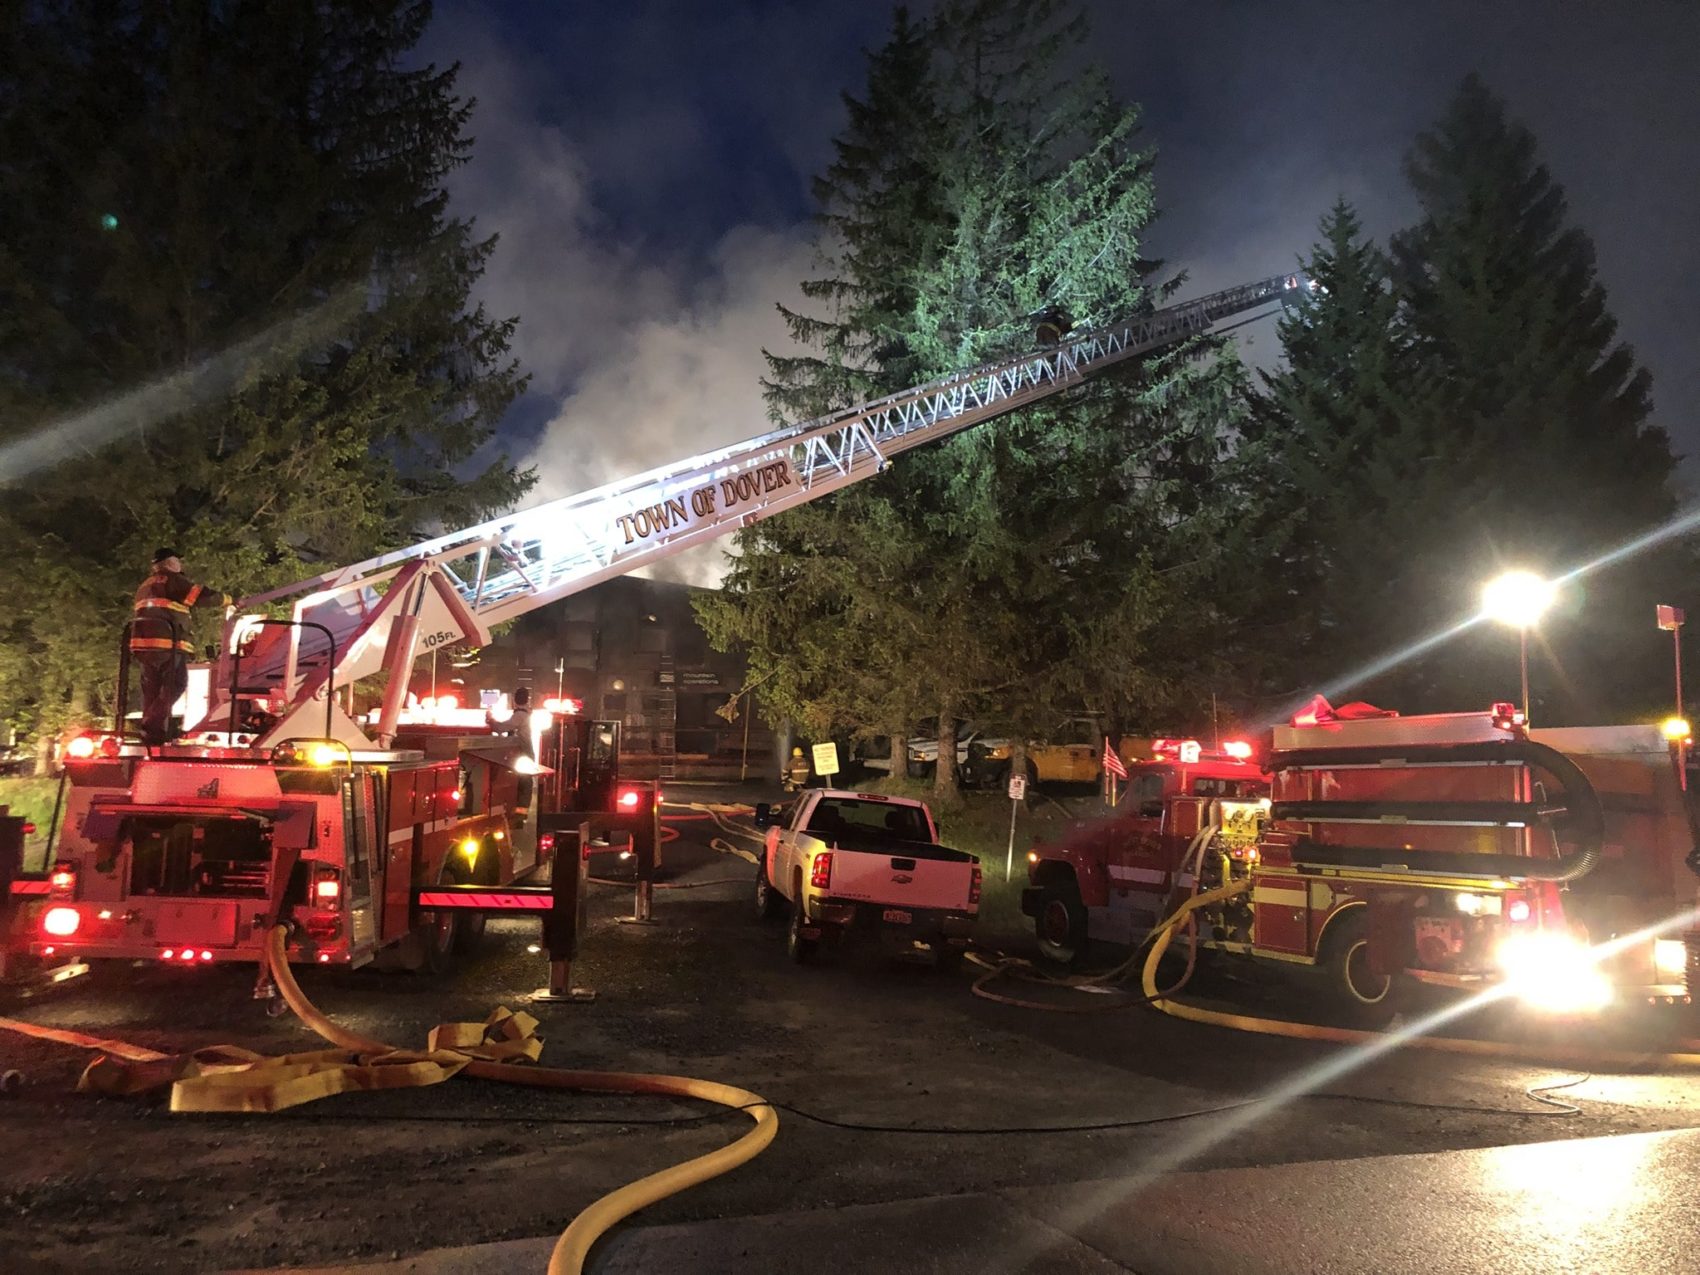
592,1223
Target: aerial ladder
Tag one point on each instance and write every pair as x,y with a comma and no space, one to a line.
380,615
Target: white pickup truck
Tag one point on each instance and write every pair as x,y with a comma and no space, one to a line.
845,860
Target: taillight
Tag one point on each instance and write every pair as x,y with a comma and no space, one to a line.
974,887
62,881
629,798
820,872
1518,910
545,845
81,748
327,887
61,923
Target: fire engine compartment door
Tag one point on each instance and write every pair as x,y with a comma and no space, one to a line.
361,848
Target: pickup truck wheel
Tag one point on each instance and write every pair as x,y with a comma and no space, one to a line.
768,900
1356,993
1061,924
798,946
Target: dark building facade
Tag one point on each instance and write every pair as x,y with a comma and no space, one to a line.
632,650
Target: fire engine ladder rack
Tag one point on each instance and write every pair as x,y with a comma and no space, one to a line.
1577,815
386,611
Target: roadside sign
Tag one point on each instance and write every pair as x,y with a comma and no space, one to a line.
1018,787
826,759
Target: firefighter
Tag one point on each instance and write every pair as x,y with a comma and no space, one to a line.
796,773
159,639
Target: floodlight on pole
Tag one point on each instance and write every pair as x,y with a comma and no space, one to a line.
1517,600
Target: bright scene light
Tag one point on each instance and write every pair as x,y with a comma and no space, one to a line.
1554,972
1517,599
1675,728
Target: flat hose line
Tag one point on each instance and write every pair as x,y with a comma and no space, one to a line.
593,1222
226,1080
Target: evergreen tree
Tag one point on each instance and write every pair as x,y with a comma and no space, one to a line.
1344,472
1550,449
243,202
1446,413
1015,571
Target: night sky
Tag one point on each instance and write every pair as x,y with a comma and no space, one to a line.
647,165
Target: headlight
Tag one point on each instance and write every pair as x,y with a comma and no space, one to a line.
1670,958
998,754
1553,972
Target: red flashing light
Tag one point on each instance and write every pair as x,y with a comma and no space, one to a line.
820,872
62,881
327,889
557,704
1507,716
448,702
974,886
546,843
1238,749
61,923
629,798
81,748
1518,911
168,954
206,955
187,954
109,746
49,950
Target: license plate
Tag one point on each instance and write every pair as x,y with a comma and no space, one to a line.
899,917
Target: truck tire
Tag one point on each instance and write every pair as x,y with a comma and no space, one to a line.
798,946
1355,994
1060,925
430,946
469,926
768,900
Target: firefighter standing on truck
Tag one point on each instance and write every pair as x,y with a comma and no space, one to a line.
159,639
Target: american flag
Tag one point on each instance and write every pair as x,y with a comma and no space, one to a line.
1112,761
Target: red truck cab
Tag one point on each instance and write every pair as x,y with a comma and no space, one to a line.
1115,874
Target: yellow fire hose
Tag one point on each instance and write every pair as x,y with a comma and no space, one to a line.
228,1079
1569,1054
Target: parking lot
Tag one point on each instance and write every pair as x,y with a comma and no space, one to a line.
862,1039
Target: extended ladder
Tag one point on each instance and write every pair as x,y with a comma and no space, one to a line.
381,614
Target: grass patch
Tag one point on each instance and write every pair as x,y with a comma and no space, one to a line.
33,799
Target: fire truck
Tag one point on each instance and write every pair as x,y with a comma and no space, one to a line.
283,801
1462,850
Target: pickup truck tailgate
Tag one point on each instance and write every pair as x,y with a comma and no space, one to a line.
902,879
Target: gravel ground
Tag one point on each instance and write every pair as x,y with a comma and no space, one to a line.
89,1183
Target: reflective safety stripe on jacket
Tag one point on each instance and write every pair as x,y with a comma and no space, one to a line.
162,599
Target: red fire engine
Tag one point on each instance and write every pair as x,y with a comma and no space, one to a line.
1454,849
282,801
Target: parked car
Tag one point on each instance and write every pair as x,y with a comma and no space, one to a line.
843,861
1071,753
